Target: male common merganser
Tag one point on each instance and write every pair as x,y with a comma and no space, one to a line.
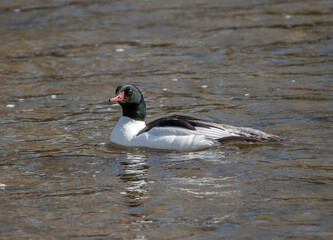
176,132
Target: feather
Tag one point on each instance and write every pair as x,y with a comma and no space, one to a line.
213,131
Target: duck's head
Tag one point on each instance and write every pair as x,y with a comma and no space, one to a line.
131,100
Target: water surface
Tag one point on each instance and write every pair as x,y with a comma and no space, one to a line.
261,64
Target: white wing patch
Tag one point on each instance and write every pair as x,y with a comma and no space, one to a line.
214,133
210,133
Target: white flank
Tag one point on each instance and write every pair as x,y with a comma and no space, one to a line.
171,138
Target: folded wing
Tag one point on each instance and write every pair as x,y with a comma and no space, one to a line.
184,125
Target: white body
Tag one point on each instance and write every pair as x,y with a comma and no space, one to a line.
172,138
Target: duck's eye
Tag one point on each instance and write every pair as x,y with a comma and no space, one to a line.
130,92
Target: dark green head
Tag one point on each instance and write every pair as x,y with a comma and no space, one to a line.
131,100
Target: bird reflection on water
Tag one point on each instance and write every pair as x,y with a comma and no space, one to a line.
134,174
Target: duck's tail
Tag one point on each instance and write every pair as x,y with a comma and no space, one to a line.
250,135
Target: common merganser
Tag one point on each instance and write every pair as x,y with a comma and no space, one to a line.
176,132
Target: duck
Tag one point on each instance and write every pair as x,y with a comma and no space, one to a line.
175,132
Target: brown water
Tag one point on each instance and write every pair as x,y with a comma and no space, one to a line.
262,64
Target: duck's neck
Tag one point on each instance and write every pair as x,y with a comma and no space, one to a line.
135,111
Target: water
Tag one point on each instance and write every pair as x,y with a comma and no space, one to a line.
261,64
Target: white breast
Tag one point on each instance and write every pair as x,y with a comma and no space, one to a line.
125,130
